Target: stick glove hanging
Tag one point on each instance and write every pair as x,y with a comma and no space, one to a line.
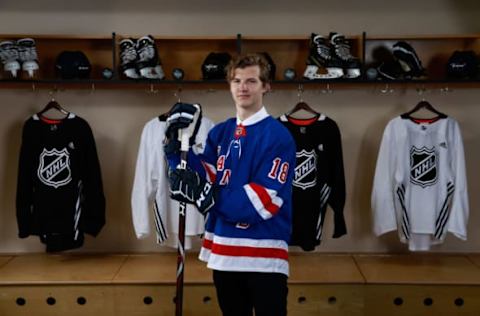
187,186
183,116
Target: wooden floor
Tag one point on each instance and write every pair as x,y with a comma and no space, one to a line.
319,284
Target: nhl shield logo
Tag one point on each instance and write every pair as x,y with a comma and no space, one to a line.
54,167
305,171
423,166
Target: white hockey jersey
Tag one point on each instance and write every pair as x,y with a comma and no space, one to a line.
420,185
150,188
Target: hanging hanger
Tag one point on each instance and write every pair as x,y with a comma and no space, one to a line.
424,104
301,105
53,104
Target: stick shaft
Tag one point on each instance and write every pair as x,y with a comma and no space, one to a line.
181,246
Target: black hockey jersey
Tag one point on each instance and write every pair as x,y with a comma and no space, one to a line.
319,179
59,190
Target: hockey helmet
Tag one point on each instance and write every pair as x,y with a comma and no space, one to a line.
213,67
72,64
462,65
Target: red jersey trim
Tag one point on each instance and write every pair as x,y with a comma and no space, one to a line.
242,251
302,122
425,121
265,198
50,121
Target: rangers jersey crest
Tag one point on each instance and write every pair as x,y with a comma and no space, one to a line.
305,171
54,168
423,166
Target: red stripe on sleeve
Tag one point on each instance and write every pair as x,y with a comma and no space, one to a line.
212,176
265,198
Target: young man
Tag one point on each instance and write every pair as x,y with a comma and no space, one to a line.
248,164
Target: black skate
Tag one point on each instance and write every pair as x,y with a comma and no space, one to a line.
408,59
9,57
129,57
321,57
148,61
341,47
27,53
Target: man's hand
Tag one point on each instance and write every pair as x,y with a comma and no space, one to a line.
187,186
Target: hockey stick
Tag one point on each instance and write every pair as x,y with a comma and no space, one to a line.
184,137
181,240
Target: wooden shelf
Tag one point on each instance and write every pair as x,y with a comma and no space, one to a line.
189,52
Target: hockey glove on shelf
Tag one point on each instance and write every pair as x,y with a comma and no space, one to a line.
187,186
182,116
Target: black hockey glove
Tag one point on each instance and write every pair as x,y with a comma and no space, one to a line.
171,144
187,186
182,116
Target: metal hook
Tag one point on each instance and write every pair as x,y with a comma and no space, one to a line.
327,89
52,93
152,90
421,91
445,89
300,92
211,90
387,89
177,93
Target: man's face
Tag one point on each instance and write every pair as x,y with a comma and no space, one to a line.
247,89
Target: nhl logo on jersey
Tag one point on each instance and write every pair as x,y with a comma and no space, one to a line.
54,167
423,166
305,171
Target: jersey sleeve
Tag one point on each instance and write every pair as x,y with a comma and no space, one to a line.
24,199
270,186
144,185
460,208
336,198
382,199
93,213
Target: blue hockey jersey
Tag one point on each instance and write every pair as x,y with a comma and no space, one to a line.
252,164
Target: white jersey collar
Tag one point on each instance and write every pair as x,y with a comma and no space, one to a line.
255,118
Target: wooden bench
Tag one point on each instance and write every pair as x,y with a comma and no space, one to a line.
319,284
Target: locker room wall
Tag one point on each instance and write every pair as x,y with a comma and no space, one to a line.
118,116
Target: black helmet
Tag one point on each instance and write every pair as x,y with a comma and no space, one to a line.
214,65
462,65
72,64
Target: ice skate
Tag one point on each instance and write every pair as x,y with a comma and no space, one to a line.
321,63
9,57
148,61
351,65
128,58
27,53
